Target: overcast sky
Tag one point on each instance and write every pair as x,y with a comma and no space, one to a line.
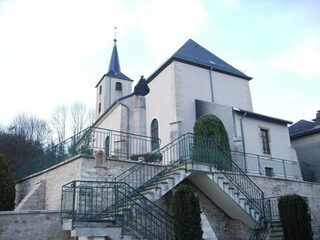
54,52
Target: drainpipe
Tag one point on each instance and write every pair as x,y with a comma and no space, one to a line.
128,128
243,144
210,75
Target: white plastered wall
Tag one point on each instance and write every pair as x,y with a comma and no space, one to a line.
280,145
109,94
160,104
112,119
193,82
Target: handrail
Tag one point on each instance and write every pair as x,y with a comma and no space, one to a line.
82,201
54,155
121,145
223,161
195,149
255,164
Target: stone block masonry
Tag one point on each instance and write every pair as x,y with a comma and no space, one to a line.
279,187
31,225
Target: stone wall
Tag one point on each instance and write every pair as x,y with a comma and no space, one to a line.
222,225
35,199
36,225
53,179
279,187
78,168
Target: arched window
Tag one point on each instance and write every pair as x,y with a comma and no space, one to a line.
107,146
154,134
118,86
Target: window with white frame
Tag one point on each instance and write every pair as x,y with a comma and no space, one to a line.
265,140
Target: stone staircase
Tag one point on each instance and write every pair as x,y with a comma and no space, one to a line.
232,191
222,192
275,232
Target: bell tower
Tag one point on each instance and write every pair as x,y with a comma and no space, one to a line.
113,85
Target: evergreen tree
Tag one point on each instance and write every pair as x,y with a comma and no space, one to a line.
187,219
211,142
7,189
295,218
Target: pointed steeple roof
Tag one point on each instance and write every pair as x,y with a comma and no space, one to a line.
114,66
194,54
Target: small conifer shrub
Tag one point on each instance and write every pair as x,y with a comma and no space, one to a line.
295,218
186,212
212,142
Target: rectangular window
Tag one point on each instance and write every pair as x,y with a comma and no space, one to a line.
99,108
269,172
264,133
100,90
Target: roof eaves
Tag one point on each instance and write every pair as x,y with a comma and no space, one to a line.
308,132
170,60
119,75
100,80
262,117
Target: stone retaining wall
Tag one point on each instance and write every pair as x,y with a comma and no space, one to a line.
35,225
279,187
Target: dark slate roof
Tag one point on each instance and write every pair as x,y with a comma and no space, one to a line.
114,66
194,54
302,128
262,117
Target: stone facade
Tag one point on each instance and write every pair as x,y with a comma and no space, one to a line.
35,199
36,225
279,187
78,168
223,227
53,179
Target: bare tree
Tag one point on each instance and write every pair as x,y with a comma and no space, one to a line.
91,116
31,128
79,117
58,122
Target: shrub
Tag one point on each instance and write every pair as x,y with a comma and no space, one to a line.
212,142
148,157
186,212
295,217
7,189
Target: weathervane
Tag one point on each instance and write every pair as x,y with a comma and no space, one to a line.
115,33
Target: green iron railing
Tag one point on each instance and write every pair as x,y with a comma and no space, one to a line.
116,204
113,144
272,211
193,149
56,154
259,165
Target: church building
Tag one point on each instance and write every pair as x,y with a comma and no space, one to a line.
116,179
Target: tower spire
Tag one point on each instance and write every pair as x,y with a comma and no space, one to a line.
114,66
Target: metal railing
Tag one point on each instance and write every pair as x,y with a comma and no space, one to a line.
56,154
113,144
190,148
116,204
272,211
121,145
267,166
